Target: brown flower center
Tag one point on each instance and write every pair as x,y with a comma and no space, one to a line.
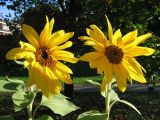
43,56
114,54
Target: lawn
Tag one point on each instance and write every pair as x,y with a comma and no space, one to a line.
76,80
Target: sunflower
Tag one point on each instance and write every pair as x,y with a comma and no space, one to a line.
42,56
114,57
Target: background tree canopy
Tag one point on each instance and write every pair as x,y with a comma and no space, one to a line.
76,15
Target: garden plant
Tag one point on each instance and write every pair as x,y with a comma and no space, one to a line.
113,58
53,58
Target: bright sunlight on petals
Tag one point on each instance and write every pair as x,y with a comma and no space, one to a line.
42,54
114,57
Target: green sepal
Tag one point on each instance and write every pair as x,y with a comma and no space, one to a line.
44,117
92,115
21,100
58,104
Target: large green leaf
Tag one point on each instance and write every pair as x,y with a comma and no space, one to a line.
6,86
8,117
21,100
44,117
58,104
92,115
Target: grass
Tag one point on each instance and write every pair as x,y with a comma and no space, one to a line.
76,80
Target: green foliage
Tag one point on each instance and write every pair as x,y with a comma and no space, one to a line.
92,115
58,104
113,98
21,100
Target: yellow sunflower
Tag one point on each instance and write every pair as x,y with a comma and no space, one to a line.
115,57
42,56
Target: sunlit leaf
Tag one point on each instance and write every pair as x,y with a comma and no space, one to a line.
94,83
6,86
92,115
58,104
14,80
21,100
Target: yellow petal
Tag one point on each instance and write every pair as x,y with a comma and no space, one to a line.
62,75
57,40
65,45
136,65
61,67
64,55
27,46
48,73
110,31
101,65
33,76
95,46
54,87
93,63
139,51
45,34
138,40
142,38
117,37
96,34
17,53
57,34
89,39
108,75
91,56
51,25
31,35
119,72
128,38
133,73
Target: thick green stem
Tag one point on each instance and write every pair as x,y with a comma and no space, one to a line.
107,93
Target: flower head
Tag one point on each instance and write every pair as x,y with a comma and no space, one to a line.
42,56
115,57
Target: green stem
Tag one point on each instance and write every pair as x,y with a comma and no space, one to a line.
107,100
29,110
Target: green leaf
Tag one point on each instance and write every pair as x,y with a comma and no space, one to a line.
131,105
6,86
58,104
14,80
8,117
44,117
113,96
94,83
92,115
21,100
